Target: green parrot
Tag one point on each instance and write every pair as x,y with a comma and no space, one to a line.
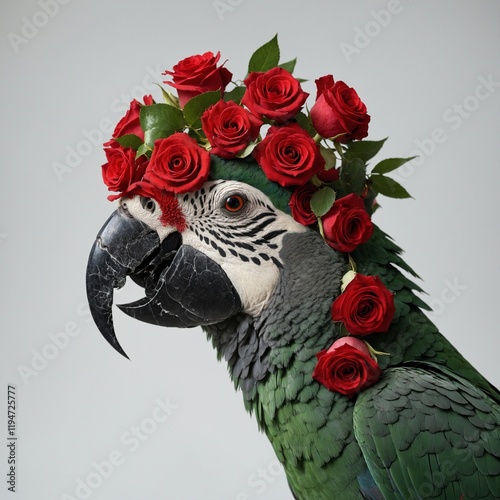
268,244
261,286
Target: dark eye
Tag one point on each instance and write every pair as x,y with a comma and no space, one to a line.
148,204
234,203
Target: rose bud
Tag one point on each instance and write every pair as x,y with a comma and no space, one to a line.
130,123
338,111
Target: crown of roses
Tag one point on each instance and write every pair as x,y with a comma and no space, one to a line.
312,164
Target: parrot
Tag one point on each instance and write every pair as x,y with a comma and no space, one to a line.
228,257
250,214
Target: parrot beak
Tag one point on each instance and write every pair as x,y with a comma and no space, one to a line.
183,286
121,246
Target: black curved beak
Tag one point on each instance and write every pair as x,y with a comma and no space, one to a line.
121,246
183,286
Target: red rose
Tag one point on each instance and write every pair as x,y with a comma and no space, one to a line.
229,128
198,74
339,110
300,204
275,95
288,155
328,176
366,306
178,164
122,169
347,224
130,123
346,367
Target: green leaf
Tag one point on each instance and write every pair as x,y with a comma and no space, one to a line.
390,164
305,122
130,141
247,151
322,200
235,94
370,199
195,107
144,149
353,176
153,134
160,120
265,57
364,150
329,157
289,65
169,98
388,187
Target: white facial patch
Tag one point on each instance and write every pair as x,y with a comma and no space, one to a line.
245,243
235,225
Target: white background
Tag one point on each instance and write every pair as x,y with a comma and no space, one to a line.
416,65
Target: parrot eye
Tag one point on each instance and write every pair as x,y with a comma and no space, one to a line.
148,204
234,203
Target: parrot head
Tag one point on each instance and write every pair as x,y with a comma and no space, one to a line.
264,238
201,257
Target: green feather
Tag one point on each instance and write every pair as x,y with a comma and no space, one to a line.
248,171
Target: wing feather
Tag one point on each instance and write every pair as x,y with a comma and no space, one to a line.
427,433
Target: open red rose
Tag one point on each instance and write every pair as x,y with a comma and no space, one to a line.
275,95
229,128
347,224
346,367
197,74
121,169
178,164
130,123
288,155
300,204
366,306
339,110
